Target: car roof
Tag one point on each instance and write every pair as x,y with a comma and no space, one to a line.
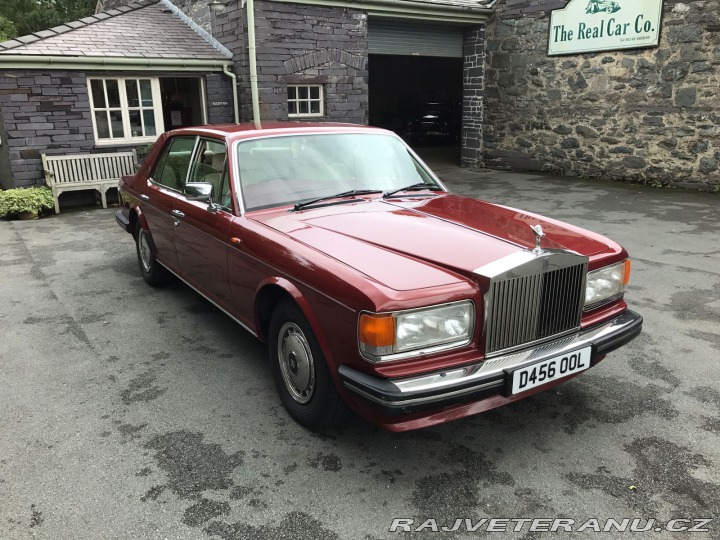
247,130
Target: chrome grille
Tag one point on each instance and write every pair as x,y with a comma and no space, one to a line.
533,307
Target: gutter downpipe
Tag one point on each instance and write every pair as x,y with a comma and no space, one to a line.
233,78
253,64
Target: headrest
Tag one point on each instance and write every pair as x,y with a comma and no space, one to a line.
218,162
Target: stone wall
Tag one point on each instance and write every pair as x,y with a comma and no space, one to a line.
301,44
218,91
473,112
650,116
45,112
49,112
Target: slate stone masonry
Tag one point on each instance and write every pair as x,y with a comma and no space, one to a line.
49,112
647,115
473,94
301,44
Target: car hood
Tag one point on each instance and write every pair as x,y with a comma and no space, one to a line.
413,243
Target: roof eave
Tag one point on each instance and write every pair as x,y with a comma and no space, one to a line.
99,63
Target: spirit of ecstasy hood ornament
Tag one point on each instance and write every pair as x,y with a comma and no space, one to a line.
537,229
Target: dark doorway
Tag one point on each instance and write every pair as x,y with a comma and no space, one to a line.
182,102
420,99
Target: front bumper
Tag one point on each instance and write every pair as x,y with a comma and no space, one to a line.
475,382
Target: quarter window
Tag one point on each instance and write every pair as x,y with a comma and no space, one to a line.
126,110
305,100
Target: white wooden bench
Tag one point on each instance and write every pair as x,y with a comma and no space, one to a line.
86,171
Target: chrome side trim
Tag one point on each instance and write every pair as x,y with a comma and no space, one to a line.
246,327
476,373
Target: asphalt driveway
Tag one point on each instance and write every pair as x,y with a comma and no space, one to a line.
130,412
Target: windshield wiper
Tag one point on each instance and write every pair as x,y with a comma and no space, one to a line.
351,193
413,187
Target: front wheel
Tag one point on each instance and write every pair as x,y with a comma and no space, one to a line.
299,370
152,271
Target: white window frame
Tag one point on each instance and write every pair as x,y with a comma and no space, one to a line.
297,100
125,111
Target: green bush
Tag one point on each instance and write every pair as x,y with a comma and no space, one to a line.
14,201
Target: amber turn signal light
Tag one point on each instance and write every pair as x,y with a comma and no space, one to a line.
377,330
626,277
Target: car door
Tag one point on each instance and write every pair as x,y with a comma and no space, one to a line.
201,234
165,187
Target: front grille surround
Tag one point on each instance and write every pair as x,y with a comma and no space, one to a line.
532,297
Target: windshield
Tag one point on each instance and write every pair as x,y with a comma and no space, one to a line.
284,170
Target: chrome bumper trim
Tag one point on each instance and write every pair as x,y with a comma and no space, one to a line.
439,388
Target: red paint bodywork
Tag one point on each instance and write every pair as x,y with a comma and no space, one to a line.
337,261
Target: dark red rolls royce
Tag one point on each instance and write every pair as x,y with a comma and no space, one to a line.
376,289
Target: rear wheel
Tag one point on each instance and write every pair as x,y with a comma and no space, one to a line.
300,373
152,271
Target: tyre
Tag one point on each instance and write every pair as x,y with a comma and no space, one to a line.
300,373
152,271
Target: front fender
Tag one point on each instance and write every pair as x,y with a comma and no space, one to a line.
296,294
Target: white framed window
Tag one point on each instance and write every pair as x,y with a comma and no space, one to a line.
305,100
126,110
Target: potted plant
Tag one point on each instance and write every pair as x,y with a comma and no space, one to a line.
25,203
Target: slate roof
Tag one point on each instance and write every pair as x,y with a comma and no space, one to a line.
143,29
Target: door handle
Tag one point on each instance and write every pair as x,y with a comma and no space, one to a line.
144,197
178,214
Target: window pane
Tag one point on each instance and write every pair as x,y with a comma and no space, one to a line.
101,121
303,107
303,92
132,93
146,93
98,94
178,163
116,124
292,92
149,117
314,92
113,92
315,107
292,107
136,129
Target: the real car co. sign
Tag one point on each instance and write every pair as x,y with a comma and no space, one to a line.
604,25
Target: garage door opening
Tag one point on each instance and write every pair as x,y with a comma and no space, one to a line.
415,86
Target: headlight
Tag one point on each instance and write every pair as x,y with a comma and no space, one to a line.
415,330
606,283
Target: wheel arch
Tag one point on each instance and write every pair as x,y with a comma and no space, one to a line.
270,293
136,215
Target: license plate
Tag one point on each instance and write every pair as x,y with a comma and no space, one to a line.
527,378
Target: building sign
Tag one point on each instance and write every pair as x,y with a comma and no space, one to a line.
604,25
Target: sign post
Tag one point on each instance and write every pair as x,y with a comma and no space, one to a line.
585,26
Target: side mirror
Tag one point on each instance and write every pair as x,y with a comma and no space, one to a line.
201,191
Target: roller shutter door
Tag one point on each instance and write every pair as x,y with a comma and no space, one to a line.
414,39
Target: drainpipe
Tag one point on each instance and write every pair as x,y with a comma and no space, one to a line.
253,64
233,79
